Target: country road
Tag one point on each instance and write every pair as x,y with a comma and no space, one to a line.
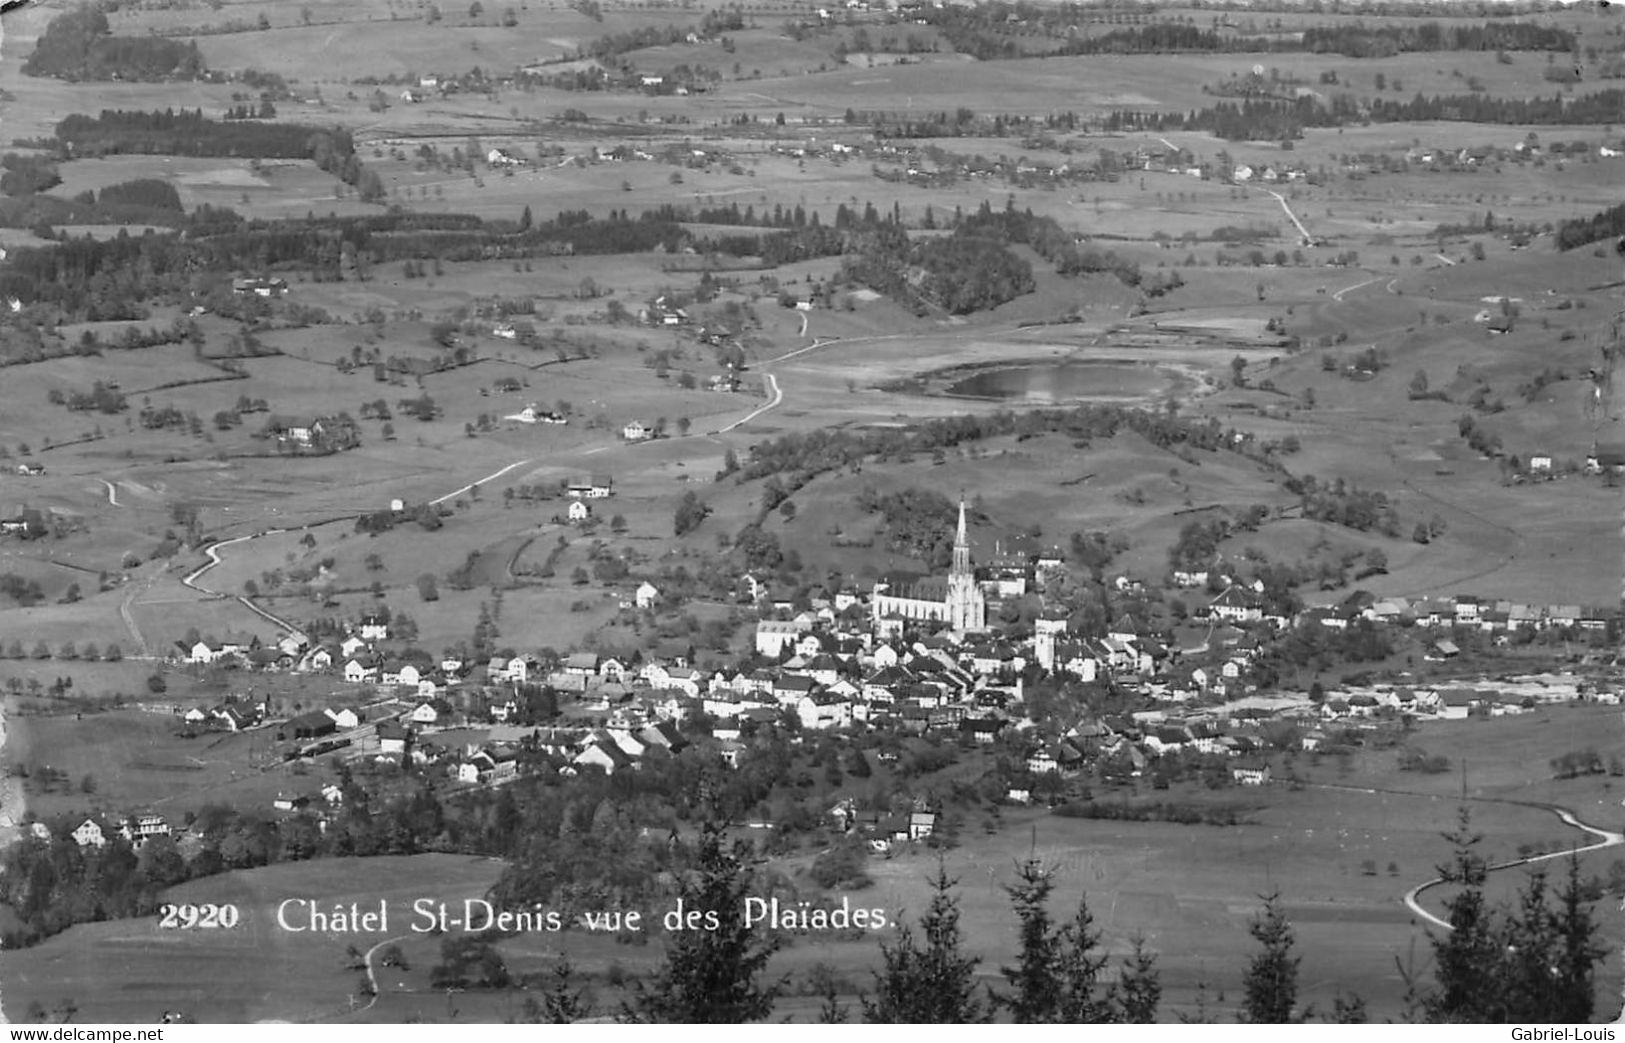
775,396
493,475
1609,839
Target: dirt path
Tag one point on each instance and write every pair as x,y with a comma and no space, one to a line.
1279,198
494,474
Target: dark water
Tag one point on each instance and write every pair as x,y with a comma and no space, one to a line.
1063,382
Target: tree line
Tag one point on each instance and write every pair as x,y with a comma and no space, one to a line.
997,31
1278,119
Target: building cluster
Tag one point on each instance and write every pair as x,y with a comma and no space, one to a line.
907,657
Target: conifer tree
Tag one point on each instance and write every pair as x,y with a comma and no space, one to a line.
934,985
711,976
1271,982
1138,992
1468,957
1057,969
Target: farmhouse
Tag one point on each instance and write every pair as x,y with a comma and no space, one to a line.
579,511
636,431
594,487
89,834
259,287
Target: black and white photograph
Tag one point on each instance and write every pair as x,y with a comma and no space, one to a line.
626,512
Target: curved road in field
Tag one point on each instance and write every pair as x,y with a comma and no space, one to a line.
775,396
213,551
1609,839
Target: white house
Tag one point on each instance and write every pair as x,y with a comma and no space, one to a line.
647,596
579,511
89,834
345,718
636,431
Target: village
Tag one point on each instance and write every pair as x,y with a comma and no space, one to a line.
904,660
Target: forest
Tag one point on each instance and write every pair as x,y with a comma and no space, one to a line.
77,45
184,133
1605,224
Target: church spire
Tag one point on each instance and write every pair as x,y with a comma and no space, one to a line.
961,565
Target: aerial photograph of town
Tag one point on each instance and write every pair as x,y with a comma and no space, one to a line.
813,511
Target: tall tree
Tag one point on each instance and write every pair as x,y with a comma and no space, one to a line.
1467,959
1139,987
1057,969
935,985
1271,982
712,976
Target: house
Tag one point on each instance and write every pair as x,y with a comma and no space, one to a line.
392,737
581,664
1237,604
357,672
1250,773
605,755
595,487
1441,650
350,646
375,628
579,512
636,431
775,636
400,673
647,596
345,718
89,834
259,287
425,714
145,827
1540,463
921,824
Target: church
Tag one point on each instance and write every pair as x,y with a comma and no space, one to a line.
955,600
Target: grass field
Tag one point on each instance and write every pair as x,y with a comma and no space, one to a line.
132,970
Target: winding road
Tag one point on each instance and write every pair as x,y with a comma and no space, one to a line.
1609,839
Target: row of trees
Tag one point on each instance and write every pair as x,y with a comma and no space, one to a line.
1269,119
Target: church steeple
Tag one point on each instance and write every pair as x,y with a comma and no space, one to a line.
961,565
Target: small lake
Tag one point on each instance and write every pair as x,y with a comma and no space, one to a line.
1059,382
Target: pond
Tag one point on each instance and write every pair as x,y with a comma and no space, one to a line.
1054,383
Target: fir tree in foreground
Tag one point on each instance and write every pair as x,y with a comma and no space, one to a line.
1057,969
1271,982
935,985
711,976
1535,963
1057,976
